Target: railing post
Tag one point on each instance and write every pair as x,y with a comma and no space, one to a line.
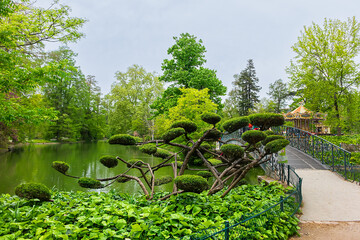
227,235
282,203
300,189
288,177
345,165
313,143
322,151
332,157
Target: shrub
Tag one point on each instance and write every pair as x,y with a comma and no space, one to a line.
276,145
269,132
266,120
148,148
133,161
163,180
355,158
211,118
213,135
204,174
60,166
187,125
173,133
162,153
271,138
191,183
214,161
86,182
123,139
109,161
253,136
235,124
232,151
32,191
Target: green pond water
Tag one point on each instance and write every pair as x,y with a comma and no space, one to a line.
32,163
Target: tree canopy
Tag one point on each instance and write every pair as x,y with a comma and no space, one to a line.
244,95
186,70
325,62
24,29
279,93
130,99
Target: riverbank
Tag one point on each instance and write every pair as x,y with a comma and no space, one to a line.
12,147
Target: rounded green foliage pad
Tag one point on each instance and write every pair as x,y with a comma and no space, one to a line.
173,133
232,151
253,136
213,135
188,126
148,149
266,120
235,124
86,182
123,139
211,118
271,138
191,183
109,161
276,145
60,166
32,191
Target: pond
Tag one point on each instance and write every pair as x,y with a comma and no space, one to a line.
32,163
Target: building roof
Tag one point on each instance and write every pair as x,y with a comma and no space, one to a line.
303,113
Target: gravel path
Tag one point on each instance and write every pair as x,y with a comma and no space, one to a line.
328,197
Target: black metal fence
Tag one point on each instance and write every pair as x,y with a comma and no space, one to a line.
335,157
248,224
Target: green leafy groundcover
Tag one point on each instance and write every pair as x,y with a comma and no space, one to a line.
91,215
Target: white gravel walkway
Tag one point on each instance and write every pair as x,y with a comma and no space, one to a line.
328,197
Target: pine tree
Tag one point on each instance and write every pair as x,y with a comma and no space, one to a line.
245,92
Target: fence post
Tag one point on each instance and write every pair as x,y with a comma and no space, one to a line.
345,165
288,175
298,135
227,235
300,189
322,151
282,203
332,157
313,142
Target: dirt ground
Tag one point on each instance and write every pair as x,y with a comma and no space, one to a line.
329,231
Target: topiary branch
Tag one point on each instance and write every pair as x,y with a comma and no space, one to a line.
209,166
152,186
215,154
192,150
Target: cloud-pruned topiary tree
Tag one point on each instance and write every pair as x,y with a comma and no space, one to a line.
229,163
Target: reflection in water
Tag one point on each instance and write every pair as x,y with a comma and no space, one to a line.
33,164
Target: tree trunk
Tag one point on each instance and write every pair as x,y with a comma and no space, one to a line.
336,104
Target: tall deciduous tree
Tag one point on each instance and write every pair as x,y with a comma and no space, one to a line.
75,98
245,91
24,29
190,105
279,93
186,70
325,67
130,99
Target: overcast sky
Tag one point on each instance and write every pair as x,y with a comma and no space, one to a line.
120,33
